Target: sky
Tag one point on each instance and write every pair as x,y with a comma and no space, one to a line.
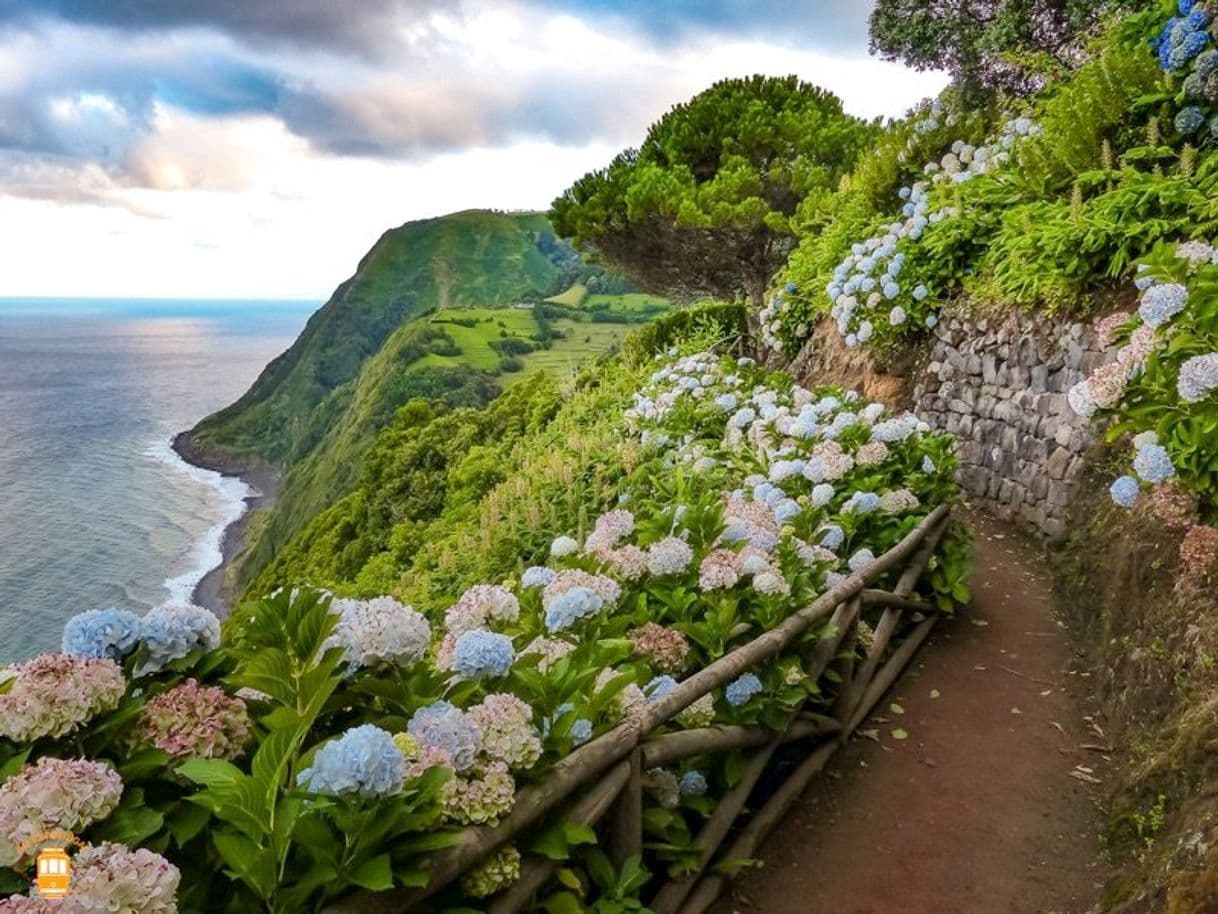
257,148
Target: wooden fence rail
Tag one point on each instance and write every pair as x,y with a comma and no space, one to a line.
604,777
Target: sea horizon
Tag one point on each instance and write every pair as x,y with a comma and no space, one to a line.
96,508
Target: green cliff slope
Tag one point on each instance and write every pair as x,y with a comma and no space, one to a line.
444,312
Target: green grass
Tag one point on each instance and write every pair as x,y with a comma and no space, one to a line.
628,303
572,298
583,341
471,259
475,342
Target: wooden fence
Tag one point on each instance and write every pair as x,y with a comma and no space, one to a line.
604,778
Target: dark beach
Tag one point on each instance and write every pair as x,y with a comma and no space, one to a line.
213,591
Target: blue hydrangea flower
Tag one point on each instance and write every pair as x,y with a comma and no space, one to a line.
658,688
480,654
822,494
862,503
769,493
171,632
786,511
1153,464
1125,491
741,690
537,576
100,633
896,316
442,725
928,465
363,760
832,537
726,402
1207,64
861,559
693,784
581,731
743,418
568,608
840,423
1189,120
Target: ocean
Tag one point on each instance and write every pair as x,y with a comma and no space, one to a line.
96,509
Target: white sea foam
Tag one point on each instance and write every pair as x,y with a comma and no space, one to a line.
207,553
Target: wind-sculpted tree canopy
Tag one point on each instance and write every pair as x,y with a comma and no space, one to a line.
705,205
986,44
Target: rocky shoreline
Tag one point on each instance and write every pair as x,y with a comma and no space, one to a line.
214,591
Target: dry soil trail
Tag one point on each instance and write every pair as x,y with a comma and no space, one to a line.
983,808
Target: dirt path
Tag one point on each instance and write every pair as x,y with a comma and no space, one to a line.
976,811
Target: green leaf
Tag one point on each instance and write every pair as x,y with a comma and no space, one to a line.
186,821
131,826
211,772
578,833
376,874
563,903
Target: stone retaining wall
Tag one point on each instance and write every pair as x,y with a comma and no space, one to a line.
1000,386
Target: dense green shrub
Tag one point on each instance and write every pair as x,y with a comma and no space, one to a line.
704,206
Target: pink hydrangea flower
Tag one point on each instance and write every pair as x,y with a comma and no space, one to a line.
54,793
53,694
871,454
508,734
481,604
194,720
669,556
1172,505
611,528
666,648
113,878
550,649
1106,327
1198,554
630,562
719,570
1107,384
481,799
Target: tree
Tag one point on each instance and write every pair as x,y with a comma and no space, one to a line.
986,44
704,206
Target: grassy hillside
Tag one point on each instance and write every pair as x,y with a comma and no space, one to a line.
443,312
436,479
467,259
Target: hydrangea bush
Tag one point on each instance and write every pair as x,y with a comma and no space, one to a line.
1188,55
1161,393
321,744
895,281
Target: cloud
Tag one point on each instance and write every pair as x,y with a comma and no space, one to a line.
249,147
825,25
363,26
377,27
